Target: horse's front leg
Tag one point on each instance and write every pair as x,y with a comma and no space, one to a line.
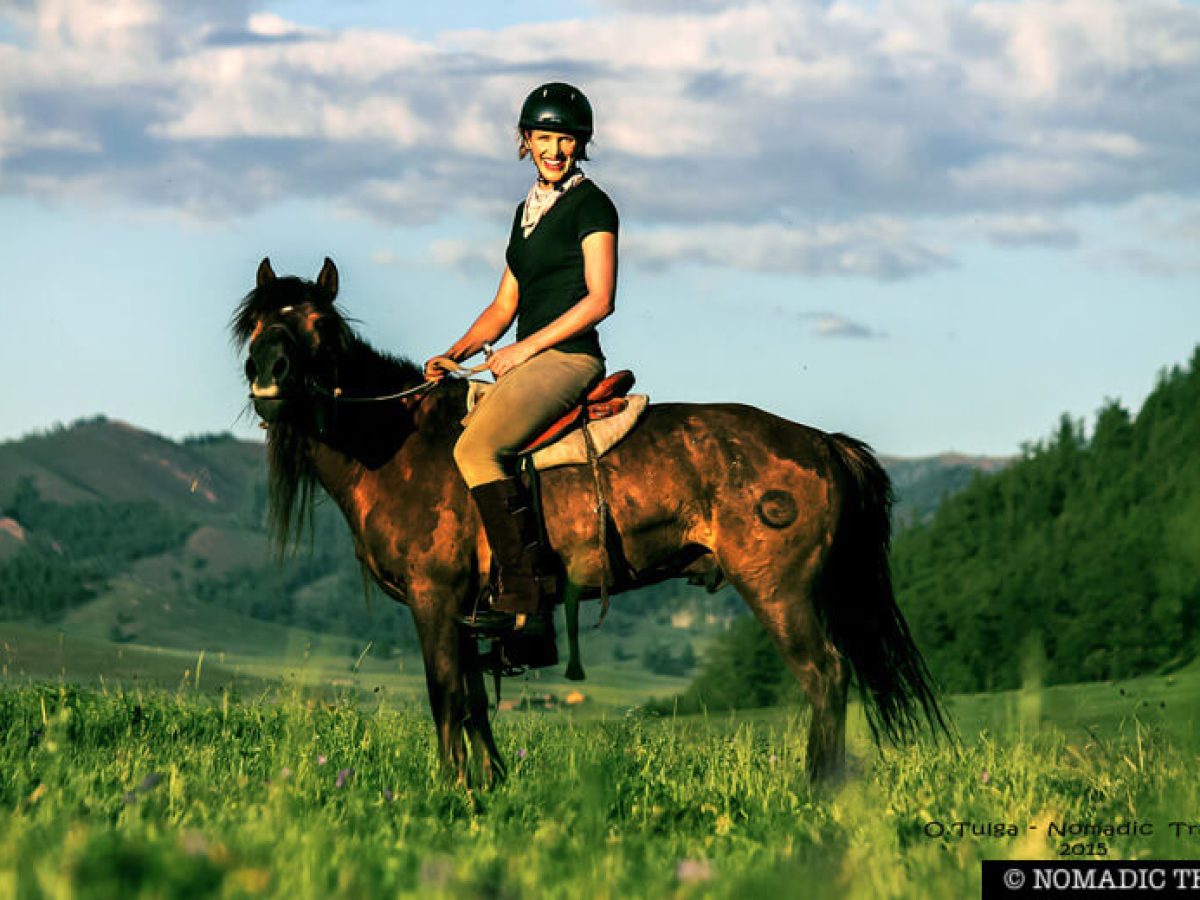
440,647
484,752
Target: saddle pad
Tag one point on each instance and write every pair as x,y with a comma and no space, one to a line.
606,433
572,449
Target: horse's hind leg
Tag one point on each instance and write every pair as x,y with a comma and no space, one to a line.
484,752
825,676
790,617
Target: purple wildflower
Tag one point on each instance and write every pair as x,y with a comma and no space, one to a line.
321,760
522,753
690,870
437,872
343,776
194,843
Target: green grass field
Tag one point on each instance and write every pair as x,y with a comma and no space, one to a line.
120,792
251,657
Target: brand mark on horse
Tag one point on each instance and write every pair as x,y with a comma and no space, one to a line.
777,509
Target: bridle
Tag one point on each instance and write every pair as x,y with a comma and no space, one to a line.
313,387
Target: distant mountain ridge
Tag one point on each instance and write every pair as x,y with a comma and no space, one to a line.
212,477
111,533
922,483
106,459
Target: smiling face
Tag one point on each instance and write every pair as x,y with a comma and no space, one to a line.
553,152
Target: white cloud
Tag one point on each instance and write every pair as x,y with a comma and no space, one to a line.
119,26
1168,218
1027,228
835,326
874,248
16,137
820,323
467,258
1151,261
1171,227
273,26
863,124
674,5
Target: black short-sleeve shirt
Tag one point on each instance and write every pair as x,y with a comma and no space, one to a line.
548,265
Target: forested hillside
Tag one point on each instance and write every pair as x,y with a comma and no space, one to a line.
141,530
1081,559
1089,546
116,532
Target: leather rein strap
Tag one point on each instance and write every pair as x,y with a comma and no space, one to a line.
453,368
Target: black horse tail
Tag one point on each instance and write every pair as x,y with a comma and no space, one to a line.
859,606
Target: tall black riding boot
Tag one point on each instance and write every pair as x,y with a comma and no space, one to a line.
525,588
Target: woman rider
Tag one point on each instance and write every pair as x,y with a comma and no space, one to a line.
559,282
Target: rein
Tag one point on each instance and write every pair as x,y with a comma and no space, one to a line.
454,369
336,393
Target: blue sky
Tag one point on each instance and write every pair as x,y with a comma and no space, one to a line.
935,225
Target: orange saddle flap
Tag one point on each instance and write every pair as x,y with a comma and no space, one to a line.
603,400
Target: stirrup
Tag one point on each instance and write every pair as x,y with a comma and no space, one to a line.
533,646
485,621
488,622
497,662
499,623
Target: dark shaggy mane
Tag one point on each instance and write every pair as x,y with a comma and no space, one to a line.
291,479
363,371
272,297
369,372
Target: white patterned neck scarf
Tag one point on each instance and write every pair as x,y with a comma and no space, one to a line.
539,200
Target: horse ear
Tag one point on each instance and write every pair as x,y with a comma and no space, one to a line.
328,279
265,273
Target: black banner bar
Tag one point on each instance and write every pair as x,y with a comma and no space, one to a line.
1016,879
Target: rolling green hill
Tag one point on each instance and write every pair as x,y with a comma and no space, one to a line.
109,533
102,459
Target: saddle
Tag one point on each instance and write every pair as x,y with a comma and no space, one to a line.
607,398
608,408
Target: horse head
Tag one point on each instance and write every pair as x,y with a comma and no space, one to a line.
295,339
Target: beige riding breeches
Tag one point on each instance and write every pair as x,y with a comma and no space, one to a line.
524,401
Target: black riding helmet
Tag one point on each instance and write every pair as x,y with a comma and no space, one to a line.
557,107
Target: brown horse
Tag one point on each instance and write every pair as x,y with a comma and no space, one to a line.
794,518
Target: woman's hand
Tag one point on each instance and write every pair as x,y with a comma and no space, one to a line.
487,329
508,358
436,368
